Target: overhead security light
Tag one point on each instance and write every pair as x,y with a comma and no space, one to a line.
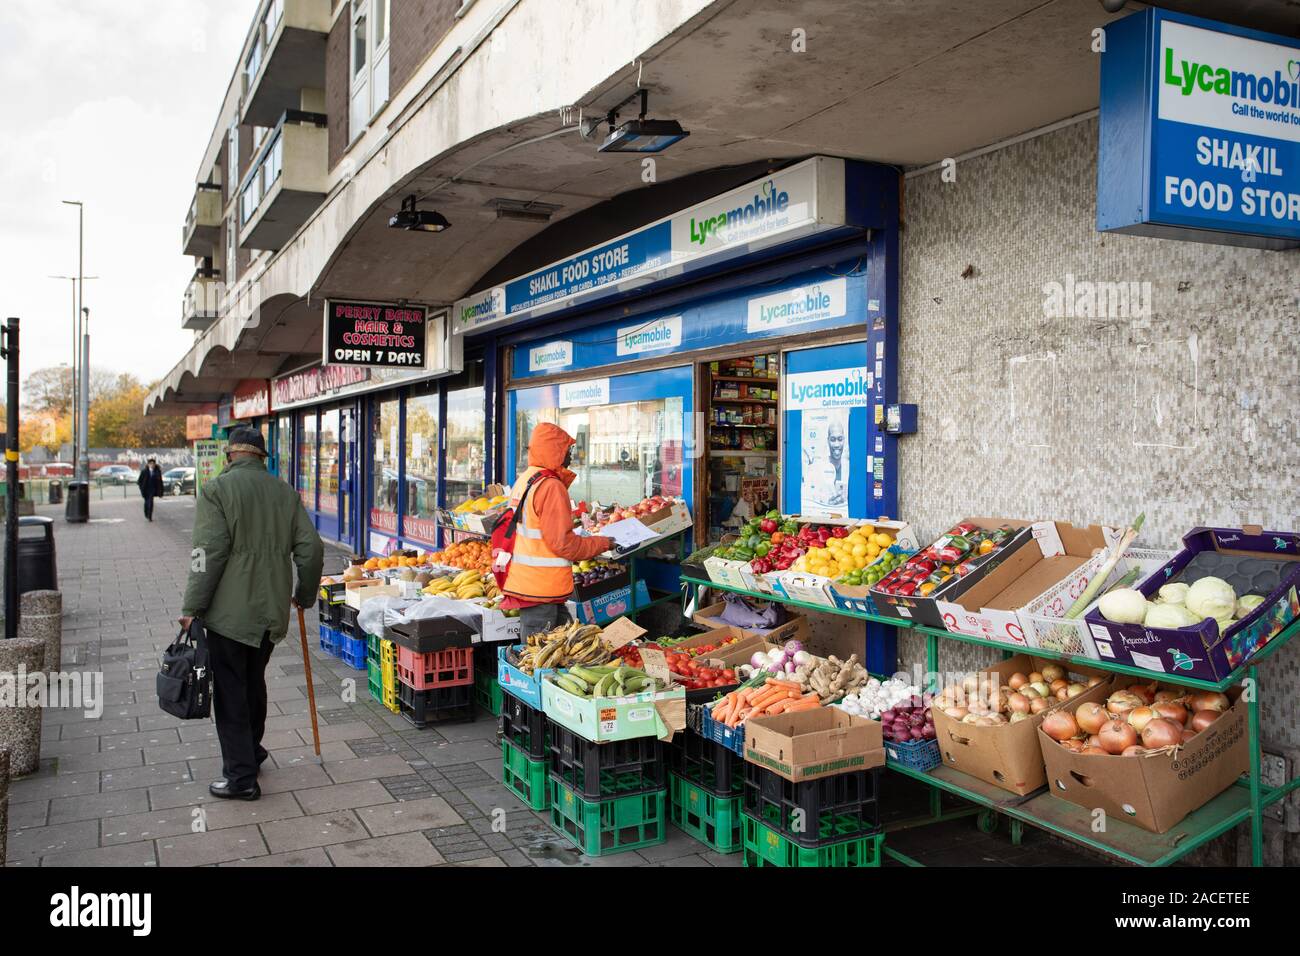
523,210
640,135
417,220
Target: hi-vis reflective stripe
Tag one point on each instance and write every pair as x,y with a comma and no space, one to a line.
528,532
536,562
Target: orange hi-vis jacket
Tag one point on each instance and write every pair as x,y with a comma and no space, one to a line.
541,568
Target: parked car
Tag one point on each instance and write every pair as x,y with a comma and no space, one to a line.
179,481
116,475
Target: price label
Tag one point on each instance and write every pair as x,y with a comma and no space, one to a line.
655,663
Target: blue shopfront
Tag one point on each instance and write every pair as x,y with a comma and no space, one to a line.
739,354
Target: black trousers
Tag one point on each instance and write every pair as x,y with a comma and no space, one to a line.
239,705
148,507
542,617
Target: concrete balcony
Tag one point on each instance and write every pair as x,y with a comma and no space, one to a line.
285,183
202,304
286,56
202,229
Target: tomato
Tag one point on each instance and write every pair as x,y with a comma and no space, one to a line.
729,674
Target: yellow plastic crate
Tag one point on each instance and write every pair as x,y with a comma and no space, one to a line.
388,668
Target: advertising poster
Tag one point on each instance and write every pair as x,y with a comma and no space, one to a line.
207,462
825,444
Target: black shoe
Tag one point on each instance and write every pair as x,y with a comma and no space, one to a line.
221,790
261,756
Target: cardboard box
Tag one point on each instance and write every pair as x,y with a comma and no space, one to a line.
668,520
608,606
1244,557
1007,756
497,627
924,610
1154,792
816,743
526,687
805,586
795,627
613,583
366,590
660,714
995,607
728,574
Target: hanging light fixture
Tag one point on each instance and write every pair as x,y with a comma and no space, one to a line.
417,220
640,135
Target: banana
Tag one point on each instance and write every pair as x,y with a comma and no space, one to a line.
570,685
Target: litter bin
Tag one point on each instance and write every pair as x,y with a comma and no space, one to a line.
56,492
37,568
77,509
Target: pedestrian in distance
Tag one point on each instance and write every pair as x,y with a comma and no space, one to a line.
250,528
151,485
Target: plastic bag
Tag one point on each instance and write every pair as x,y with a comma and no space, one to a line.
377,612
751,615
466,612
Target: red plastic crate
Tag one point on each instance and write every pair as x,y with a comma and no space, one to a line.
449,668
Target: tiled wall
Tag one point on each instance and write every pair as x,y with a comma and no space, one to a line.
1187,408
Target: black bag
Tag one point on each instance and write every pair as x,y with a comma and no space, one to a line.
185,679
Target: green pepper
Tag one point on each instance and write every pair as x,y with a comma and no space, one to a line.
742,554
763,548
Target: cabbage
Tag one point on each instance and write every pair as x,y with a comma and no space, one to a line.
1174,594
1211,597
1247,603
1224,623
1170,615
1123,606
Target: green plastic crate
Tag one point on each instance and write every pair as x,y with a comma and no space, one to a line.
372,648
766,847
613,825
487,692
713,820
524,777
375,680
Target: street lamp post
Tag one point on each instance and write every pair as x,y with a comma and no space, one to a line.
83,459
76,364
82,464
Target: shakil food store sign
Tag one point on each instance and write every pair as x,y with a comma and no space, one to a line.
1200,132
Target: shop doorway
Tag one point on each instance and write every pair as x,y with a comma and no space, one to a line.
740,399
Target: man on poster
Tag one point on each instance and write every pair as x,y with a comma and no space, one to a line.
826,465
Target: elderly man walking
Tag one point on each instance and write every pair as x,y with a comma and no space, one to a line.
250,530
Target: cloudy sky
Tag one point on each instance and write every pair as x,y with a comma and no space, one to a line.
110,102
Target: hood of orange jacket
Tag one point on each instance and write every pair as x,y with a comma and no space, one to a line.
547,448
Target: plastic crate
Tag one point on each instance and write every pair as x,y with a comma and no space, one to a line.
375,680
372,647
450,668
711,819
353,652
613,825
814,812
733,738
487,692
915,755
525,727
438,704
525,776
388,670
763,846
347,621
596,771
329,640
707,763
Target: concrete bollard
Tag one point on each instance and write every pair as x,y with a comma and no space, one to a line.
41,617
4,802
20,726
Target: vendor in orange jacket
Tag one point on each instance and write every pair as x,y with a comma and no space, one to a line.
540,578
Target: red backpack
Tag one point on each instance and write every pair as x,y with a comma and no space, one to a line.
503,535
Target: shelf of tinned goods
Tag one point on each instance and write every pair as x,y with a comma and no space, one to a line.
1244,802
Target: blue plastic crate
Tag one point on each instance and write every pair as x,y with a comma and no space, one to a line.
329,640
920,755
733,738
353,652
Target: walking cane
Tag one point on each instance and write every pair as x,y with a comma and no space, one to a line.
311,690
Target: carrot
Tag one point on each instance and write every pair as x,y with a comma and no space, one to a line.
803,703
721,709
771,695
785,684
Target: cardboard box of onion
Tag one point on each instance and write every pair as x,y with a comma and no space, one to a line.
1008,755
1154,788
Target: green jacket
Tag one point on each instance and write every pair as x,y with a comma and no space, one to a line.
249,529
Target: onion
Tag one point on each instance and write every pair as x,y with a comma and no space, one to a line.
1029,692
1188,734
1017,717
956,713
1018,704
1161,733
1122,701
758,661
1037,706
1207,700
1147,692
1060,725
1074,690
1093,741
1165,696
1136,750
1095,752
1036,677
1017,681
1053,672
1171,711
1063,694
1116,736
970,718
1139,717
1203,718
1073,744
1094,681
792,646
1091,716
1059,683
1043,689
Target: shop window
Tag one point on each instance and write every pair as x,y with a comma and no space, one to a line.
307,459
466,423
421,465
368,89
386,461
329,461
284,448
624,452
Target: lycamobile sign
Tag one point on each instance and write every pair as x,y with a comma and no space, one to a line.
651,336
1200,132
807,303
833,388
801,200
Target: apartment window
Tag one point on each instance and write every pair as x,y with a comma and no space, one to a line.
369,60
232,159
